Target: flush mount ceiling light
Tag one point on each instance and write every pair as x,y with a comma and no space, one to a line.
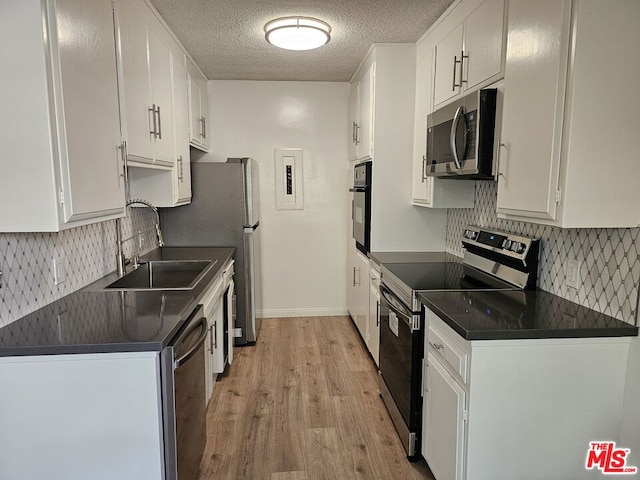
297,33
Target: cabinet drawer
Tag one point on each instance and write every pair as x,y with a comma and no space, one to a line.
447,351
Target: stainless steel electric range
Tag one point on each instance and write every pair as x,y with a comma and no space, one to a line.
492,260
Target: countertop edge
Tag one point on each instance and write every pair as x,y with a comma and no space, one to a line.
473,335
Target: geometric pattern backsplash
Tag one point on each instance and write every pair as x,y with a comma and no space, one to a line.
89,253
609,258
609,270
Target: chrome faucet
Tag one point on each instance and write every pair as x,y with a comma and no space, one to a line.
121,260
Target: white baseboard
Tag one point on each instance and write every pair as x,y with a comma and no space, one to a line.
302,312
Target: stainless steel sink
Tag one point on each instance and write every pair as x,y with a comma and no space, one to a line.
164,275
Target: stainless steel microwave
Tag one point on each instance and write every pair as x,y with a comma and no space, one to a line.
461,138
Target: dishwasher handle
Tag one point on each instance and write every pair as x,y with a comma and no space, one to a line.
200,323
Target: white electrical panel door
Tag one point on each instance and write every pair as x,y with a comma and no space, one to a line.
289,179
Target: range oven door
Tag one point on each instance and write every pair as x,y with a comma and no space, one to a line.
401,347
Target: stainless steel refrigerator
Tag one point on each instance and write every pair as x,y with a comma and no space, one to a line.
224,213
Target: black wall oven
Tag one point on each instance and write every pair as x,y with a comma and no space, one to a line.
361,206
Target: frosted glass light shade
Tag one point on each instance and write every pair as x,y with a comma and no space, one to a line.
297,33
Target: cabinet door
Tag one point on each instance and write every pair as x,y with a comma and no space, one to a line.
366,107
483,34
91,166
160,64
353,121
421,184
135,89
373,342
535,68
443,432
231,317
204,112
182,169
362,294
195,121
447,75
218,336
351,278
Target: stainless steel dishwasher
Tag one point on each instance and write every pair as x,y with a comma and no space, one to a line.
183,399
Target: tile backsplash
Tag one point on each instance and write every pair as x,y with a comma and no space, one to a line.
609,272
609,258
88,253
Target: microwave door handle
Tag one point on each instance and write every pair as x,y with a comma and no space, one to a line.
452,138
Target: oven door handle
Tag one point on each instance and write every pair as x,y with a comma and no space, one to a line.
394,304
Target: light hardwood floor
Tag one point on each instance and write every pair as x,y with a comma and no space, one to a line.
303,404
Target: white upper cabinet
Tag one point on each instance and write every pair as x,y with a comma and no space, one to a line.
568,153
145,89
353,121
60,134
361,111
429,191
198,108
173,187
182,174
471,54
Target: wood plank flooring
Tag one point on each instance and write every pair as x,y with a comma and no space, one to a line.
303,404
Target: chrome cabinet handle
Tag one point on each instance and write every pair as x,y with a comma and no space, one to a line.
203,127
424,168
454,84
353,132
159,123
357,134
452,137
233,316
154,132
211,339
462,57
123,157
378,313
437,346
499,163
180,170
215,335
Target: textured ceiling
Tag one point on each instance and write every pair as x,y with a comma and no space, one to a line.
226,37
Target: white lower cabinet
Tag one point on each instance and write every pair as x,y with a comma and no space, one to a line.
74,417
444,418
358,289
507,409
219,342
373,326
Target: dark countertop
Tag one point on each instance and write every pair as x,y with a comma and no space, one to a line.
93,320
532,314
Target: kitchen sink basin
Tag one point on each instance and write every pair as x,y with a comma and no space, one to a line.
164,275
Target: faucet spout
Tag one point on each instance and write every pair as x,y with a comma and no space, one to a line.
121,260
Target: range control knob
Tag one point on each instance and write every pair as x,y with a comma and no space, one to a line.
506,244
518,247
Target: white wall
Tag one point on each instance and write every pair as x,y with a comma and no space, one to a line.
303,254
